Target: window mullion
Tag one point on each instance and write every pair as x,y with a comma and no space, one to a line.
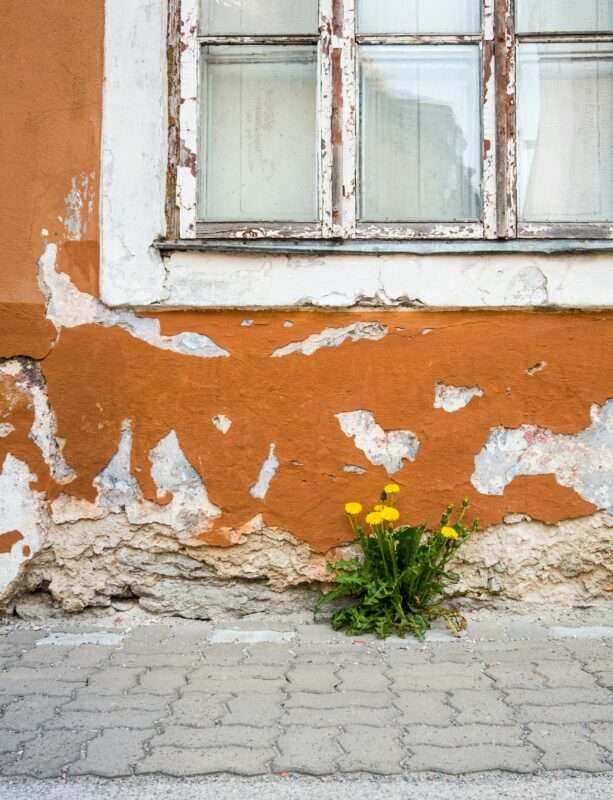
325,110
488,121
506,169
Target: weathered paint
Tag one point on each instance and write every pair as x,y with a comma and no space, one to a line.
113,469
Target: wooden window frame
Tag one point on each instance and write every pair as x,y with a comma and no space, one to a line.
337,44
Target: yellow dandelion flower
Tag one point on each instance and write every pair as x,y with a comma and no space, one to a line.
449,533
353,509
390,514
379,507
391,488
374,518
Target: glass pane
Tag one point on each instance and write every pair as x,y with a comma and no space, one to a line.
259,17
419,16
259,133
565,132
551,16
420,155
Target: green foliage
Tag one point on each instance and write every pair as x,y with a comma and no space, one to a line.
399,583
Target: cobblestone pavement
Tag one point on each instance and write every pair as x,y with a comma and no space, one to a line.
179,698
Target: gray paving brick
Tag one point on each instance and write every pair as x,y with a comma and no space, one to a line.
259,710
307,750
179,762
556,697
520,652
233,685
371,750
602,734
567,747
363,679
217,736
111,680
423,707
86,700
113,754
312,678
44,675
11,741
336,654
47,688
407,656
564,674
485,630
475,758
485,706
50,754
318,632
199,709
29,713
148,635
97,720
281,655
43,657
561,715
439,677
453,653
328,717
88,655
339,700
525,629
224,654
161,680
605,679
154,660
463,735
515,676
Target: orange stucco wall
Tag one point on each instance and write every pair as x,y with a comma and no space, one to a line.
50,91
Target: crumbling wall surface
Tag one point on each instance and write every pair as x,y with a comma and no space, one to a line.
199,461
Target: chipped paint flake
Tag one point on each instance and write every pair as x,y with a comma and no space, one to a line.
334,337
269,468
5,429
581,461
354,469
222,423
382,448
453,398
536,368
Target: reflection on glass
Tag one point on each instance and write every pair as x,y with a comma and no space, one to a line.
259,133
420,133
257,17
551,16
565,132
419,16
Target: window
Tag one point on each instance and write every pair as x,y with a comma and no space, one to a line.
391,119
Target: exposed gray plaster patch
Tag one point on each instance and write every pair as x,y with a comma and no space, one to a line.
67,307
288,324
385,448
581,461
77,200
536,368
334,337
246,323
528,288
5,429
222,423
267,473
426,331
453,398
355,470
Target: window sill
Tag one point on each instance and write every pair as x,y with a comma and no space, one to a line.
416,247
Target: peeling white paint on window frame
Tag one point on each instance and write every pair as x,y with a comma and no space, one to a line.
134,273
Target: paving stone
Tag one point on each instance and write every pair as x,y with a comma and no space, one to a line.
521,653
11,741
161,680
312,678
602,734
281,655
339,700
475,758
43,657
423,707
403,656
525,629
564,674
370,750
463,735
24,636
44,675
86,700
486,706
556,697
148,635
111,680
336,655
561,715
97,720
259,710
485,630
318,632
567,747
113,754
47,688
456,653
245,670
29,713
88,655
512,676
154,660
224,654
363,679
308,750
605,679
218,736
199,709
233,685
180,762
439,677
49,755
328,717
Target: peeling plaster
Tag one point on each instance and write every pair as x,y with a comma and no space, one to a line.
581,461
5,429
222,423
453,398
78,199
267,473
355,470
386,448
67,307
334,337
536,368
